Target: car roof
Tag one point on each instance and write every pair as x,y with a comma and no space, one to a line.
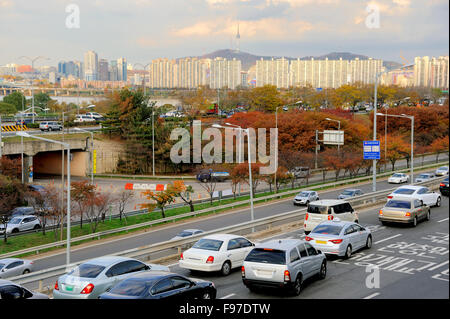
4,282
191,230
221,236
306,191
411,187
352,189
9,260
107,260
280,244
338,223
152,275
328,202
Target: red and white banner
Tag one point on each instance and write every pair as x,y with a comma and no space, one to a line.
145,187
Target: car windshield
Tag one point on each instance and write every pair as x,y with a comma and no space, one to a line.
397,175
424,175
404,191
444,168
267,256
348,192
87,271
327,229
15,221
304,194
131,287
398,204
208,244
184,233
317,209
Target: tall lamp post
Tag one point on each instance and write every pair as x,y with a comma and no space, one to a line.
92,151
240,160
412,139
32,60
66,145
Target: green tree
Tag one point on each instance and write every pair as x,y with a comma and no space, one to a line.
41,99
265,98
16,99
6,108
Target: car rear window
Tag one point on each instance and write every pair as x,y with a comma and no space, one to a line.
404,191
87,271
347,192
327,229
131,287
398,204
184,234
317,209
267,256
208,244
304,194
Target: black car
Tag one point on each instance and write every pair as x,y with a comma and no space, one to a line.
443,187
206,176
161,285
24,122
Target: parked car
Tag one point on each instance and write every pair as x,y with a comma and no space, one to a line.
159,285
13,291
83,118
206,176
50,126
283,263
424,177
11,267
92,278
407,210
24,121
219,252
21,223
339,238
441,171
300,172
351,192
398,178
328,209
417,192
443,187
22,211
305,197
186,233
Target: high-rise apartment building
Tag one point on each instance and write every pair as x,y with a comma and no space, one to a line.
69,68
122,67
103,70
431,72
90,66
225,73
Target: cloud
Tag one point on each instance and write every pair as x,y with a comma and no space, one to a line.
6,4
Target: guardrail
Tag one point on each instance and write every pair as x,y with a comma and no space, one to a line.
143,252
98,235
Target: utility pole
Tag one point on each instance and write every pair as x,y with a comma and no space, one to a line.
374,163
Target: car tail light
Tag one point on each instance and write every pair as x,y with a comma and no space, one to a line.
306,217
336,241
287,275
330,217
307,238
210,260
181,256
442,184
390,197
408,214
381,212
243,271
56,285
88,289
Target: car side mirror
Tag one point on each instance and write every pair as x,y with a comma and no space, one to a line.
319,252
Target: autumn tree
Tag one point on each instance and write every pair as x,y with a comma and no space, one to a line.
10,167
122,199
160,199
439,145
82,194
184,192
265,98
397,148
11,196
241,172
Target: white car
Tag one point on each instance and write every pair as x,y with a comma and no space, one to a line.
83,118
21,223
398,178
422,193
424,177
186,233
305,197
219,252
441,171
11,267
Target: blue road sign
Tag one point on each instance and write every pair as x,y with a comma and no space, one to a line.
371,150
318,89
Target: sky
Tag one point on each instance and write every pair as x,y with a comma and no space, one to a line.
142,30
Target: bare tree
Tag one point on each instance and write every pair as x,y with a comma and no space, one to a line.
122,199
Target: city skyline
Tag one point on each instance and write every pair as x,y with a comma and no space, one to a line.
144,30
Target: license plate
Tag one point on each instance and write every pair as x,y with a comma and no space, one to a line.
321,241
69,288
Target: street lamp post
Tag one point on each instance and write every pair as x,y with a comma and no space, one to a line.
276,149
240,149
23,134
411,117
92,151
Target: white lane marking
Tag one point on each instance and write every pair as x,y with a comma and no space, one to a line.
437,266
380,241
228,296
443,220
172,265
372,295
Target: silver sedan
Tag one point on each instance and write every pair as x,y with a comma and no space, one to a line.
94,277
11,267
339,238
13,291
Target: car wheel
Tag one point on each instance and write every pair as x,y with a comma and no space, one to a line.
297,289
323,270
428,215
415,222
15,230
26,271
36,227
226,268
348,252
369,242
438,202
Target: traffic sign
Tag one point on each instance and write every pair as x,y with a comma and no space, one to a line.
371,150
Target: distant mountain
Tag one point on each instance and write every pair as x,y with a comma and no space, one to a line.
249,60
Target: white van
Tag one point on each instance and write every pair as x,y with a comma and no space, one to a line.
327,209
